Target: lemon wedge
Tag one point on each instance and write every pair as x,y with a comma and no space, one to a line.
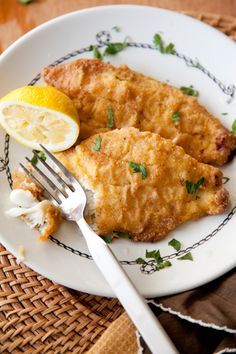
35,115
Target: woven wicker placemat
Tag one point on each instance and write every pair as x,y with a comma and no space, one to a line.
39,316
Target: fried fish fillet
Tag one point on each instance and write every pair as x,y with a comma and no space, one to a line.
142,102
146,203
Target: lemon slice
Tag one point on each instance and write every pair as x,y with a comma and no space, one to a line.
35,115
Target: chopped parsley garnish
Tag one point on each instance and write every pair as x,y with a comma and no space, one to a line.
224,114
110,121
140,261
114,48
159,44
234,127
137,167
193,187
175,244
175,117
34,160
188,256
164,264
159,261
153,254
225,180
41,154
116,28
97,144
107,239
25,2
123,234
170,49
96,53
190,91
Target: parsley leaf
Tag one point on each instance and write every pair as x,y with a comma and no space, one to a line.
159,261
114,48
41,154
189,91
34,160
175,117
170,49
96,53
107,239
97,144
110,122
25,2
175,244
234,127
137,167
152,254
225,180
159,44
140,261
224,114
193,187
164,264
123,234
188,256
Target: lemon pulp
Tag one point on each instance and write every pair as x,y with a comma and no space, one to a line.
36,115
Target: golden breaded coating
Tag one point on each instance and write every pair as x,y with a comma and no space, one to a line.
142,102
150,204
22,181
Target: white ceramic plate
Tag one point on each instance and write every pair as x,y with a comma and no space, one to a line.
211,240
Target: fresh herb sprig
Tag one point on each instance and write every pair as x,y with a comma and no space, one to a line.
156,256
24,2
96,53
107,238
110,120
35,159
176,117
190,91
188,256
159,44
192,188
97,144
114,48
137,167
175,244
233,127
123,234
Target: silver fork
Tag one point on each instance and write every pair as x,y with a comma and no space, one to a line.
71,199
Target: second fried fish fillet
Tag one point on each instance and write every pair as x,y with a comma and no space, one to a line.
107,97
142,184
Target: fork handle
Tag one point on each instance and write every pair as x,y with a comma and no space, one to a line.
134,304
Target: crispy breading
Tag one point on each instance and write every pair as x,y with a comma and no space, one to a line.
148,208
22,181
142,102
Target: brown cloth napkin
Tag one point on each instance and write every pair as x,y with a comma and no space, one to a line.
199,321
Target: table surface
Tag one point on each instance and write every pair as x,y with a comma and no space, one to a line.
17,19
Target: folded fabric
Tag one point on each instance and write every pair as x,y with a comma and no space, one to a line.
199,321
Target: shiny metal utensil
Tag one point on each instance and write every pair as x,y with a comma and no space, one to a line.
68,194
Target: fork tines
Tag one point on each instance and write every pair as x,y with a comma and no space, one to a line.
55,192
